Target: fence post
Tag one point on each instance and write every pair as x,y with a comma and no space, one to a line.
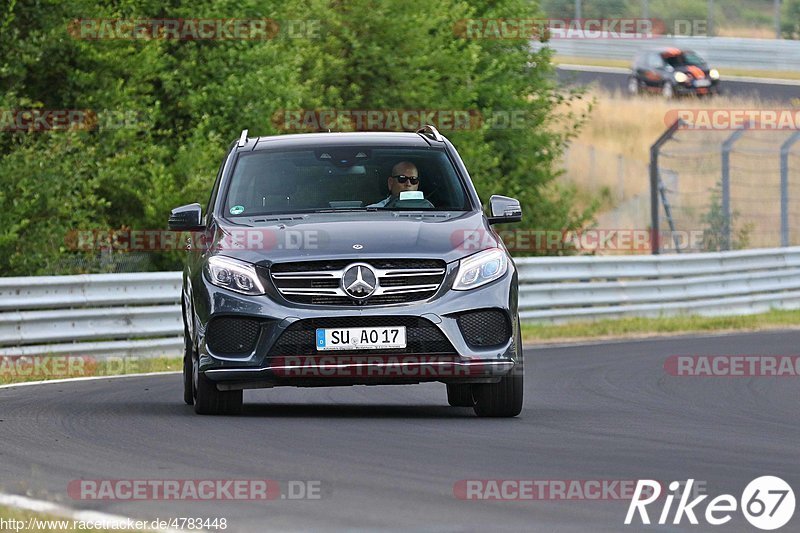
785,148
710,18
655,223
727,146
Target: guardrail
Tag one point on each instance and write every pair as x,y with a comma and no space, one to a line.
559,289
92,314
720,52
139,314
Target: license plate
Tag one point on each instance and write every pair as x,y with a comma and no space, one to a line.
702,83
361,338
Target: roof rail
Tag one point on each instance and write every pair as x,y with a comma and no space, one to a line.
243,138
427,129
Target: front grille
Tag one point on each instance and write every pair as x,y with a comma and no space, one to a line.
484,328
229,335
320,282
422,337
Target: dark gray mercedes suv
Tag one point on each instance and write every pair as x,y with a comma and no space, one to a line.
331,259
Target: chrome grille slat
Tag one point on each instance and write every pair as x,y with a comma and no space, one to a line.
404,289
400,286
421,272
308,275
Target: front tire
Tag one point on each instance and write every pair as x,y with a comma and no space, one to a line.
188,386
210,401
504,398
459,395
633,86
188,361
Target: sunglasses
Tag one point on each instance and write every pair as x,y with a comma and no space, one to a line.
402,179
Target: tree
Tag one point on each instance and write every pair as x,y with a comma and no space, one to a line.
183,102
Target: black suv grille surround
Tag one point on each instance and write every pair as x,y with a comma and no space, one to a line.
229,335
422,337
484,328
421,277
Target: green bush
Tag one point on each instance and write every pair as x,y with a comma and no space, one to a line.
185,101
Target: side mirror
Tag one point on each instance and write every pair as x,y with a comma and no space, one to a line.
186,217
504,209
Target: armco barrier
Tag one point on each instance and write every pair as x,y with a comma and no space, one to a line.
720,52
93,314
560,289
139,314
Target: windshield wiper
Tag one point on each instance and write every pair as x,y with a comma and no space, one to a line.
347,209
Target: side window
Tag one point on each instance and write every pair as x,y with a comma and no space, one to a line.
655,61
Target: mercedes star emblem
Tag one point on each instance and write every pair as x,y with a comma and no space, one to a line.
359,281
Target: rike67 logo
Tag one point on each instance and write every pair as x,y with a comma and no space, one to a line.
767,503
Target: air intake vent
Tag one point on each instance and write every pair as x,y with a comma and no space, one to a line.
228,335
485,328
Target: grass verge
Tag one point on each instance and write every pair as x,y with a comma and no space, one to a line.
623,63
622,328
648,327
44,367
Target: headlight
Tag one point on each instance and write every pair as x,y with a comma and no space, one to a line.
481,268
713,74
680,77
233,274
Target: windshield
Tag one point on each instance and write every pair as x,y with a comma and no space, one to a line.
684,59
325,179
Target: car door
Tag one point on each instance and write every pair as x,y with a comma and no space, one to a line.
655,70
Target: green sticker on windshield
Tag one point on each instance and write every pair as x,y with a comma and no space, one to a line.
237,210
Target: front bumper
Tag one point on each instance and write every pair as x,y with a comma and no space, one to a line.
264,368
682,89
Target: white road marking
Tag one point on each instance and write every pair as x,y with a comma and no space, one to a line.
110,521
87,378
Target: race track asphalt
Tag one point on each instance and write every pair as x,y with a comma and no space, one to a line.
787,95
388,457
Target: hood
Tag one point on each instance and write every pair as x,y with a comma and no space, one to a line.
694,71
355,235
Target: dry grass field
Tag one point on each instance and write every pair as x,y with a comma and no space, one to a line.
610,157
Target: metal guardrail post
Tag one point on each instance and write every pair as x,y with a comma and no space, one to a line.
727,146
655,222
785,148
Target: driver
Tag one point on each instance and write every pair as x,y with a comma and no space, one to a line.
404,177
